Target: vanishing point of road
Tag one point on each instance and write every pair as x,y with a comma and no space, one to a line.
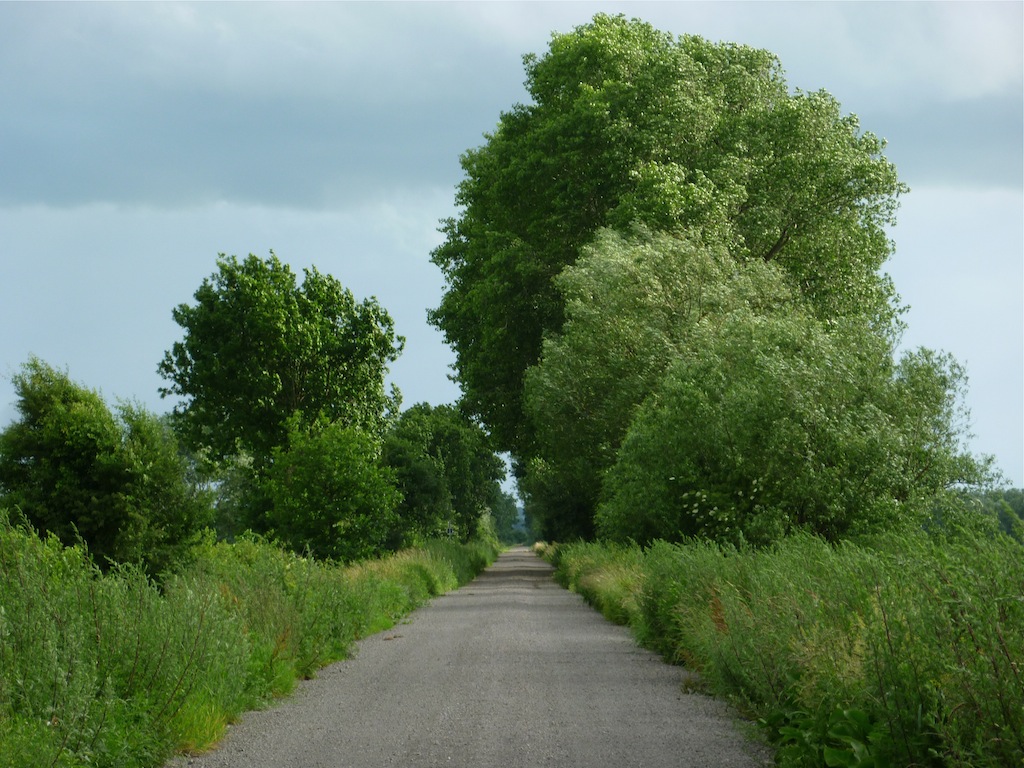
510,671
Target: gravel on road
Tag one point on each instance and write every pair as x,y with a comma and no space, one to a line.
510,671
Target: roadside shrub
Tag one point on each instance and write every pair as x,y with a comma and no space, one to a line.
110,670
105,662
906,652
329,494
768,425
114,480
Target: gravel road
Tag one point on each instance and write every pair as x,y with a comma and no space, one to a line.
511,671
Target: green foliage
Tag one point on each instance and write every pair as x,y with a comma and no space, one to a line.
116,481
259,348
904,652
165,488
609,577
773,423
425,508
627,125
447,472
105,669
505,514
1007,506
329,494
633,306
98,667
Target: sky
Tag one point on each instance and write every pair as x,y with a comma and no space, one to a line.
140,140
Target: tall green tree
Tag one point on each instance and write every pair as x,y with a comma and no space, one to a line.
505,513
115,480
259,347
629,124
447,471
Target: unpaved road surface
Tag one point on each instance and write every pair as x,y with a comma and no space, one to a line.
511,671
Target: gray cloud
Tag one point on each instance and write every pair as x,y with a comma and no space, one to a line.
978,142
303,121
320,105
193,148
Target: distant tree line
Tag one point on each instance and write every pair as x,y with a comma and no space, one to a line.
284,427
1006,505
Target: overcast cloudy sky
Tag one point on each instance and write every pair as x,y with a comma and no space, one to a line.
139,140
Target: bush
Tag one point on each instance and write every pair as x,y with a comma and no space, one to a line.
98,668
107,669
329,494
116,482
905,652
767,425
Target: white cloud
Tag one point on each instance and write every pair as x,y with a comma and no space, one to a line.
950,51
977,48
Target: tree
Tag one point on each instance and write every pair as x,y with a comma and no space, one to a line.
329,494
505,513
632,304
1005,505
259,348
447,469
118,482
411,452
770,423
166,490
628,124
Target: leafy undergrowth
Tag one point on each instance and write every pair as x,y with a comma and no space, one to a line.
907,652
113,670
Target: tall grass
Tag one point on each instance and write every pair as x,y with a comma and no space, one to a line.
113,670
908,652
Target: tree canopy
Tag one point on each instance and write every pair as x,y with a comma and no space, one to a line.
766,424
667,269
629,124
447,471
329,494
259,348
633,304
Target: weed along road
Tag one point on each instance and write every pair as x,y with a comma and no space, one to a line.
510,671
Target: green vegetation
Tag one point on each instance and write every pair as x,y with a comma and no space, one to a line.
284,399
1007,506
665,296
74,469
259,348
286,413
705,378
702,143
447,472
767,425
328,494
108,669
159,576
905,651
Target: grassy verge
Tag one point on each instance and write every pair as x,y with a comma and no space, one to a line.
112,670
908,652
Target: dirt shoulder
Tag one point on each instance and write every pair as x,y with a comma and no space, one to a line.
511,671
